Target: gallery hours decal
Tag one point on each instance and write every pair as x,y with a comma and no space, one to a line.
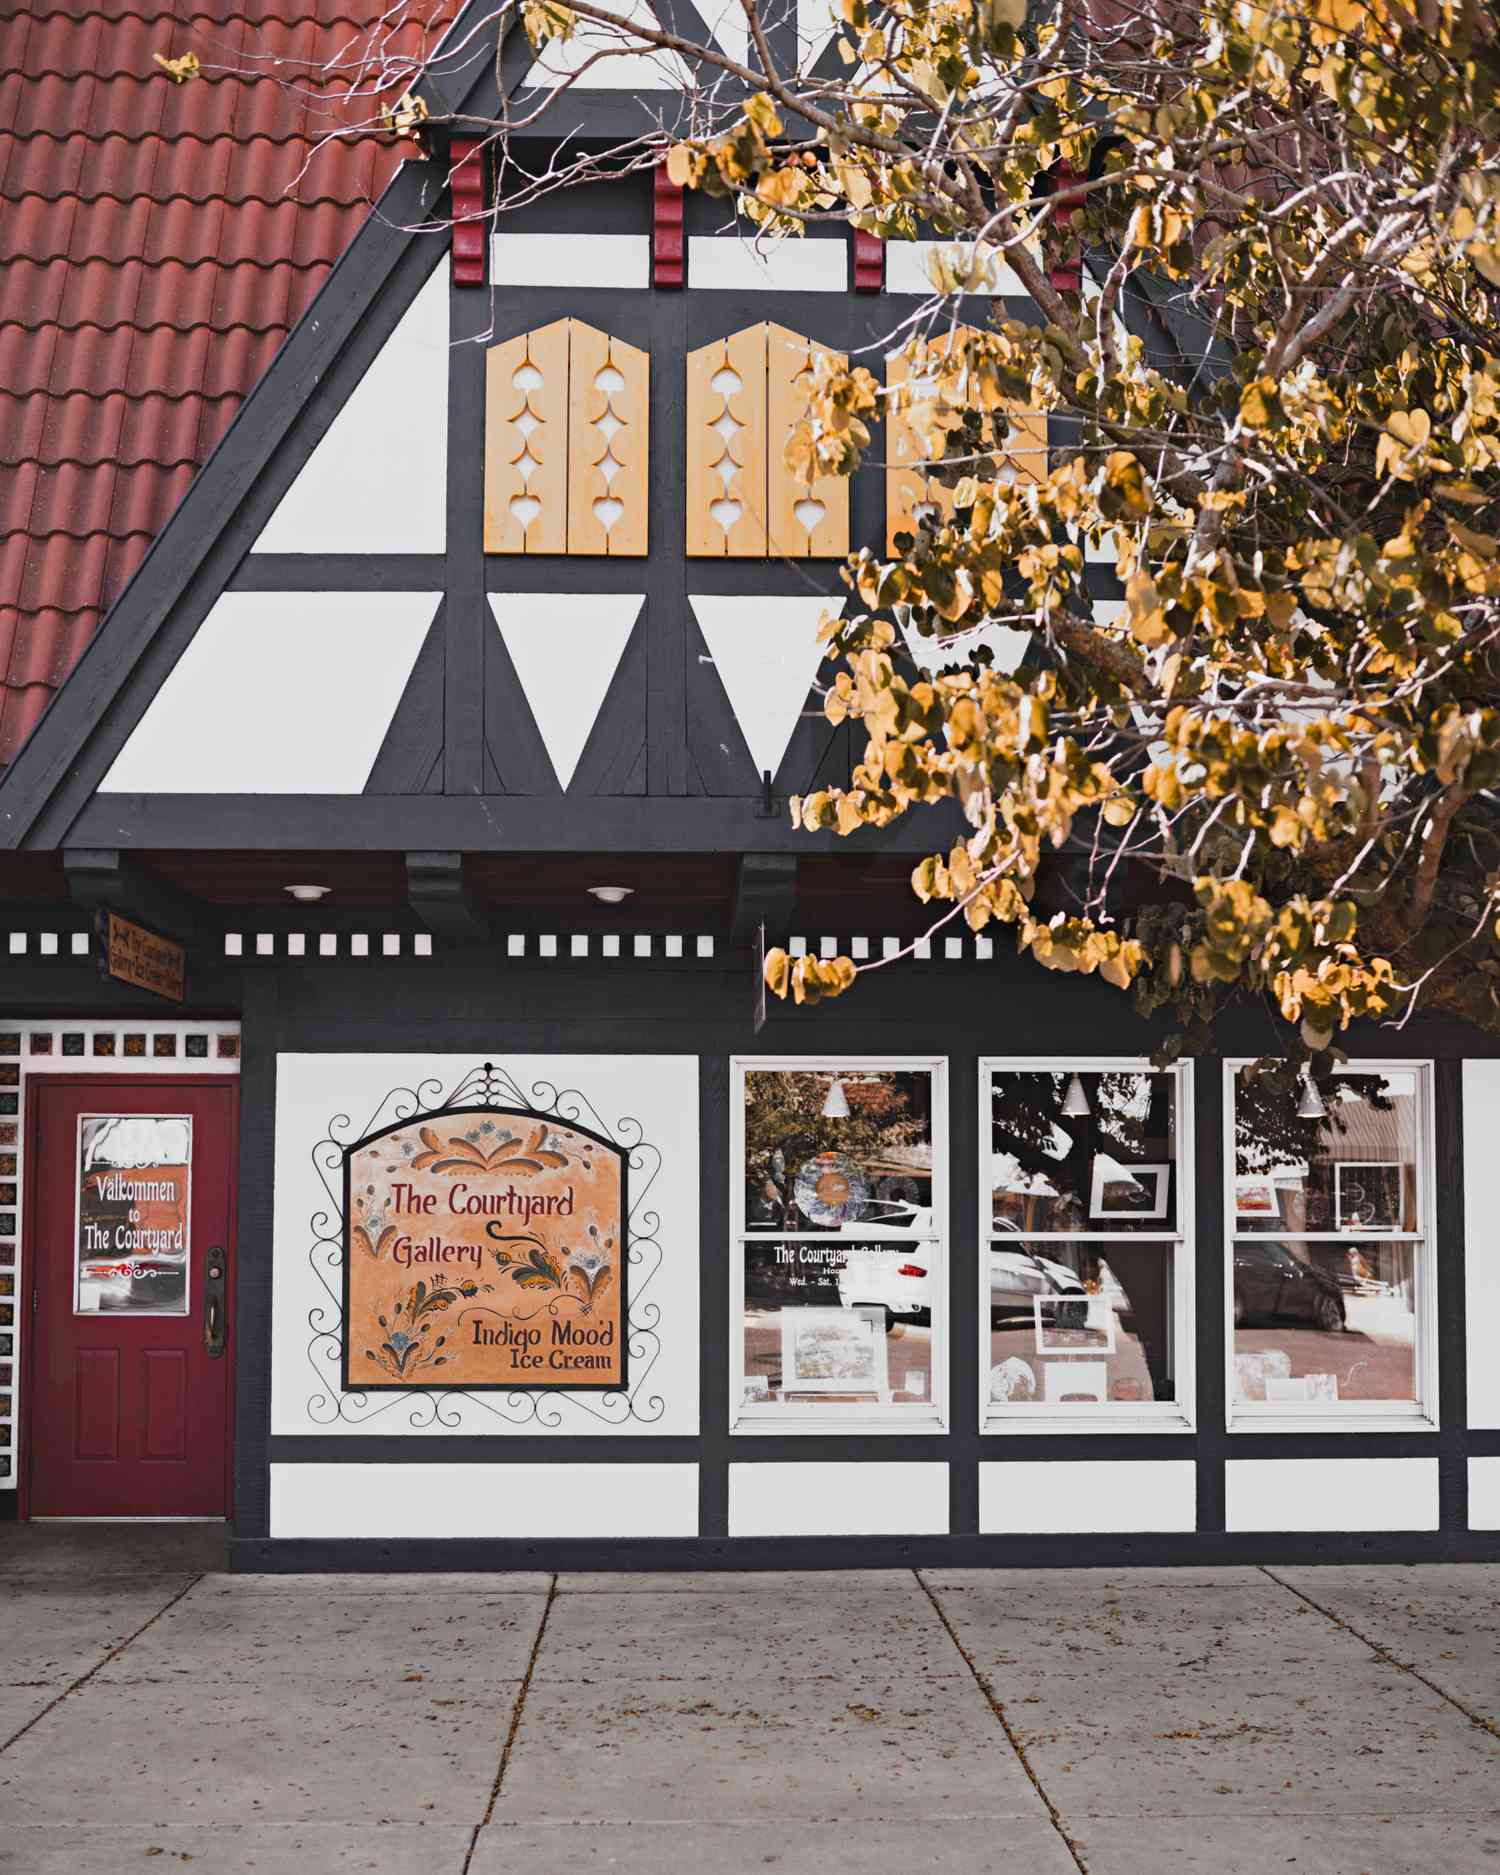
485,1247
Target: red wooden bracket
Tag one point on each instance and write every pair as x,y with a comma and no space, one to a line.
869,263
666,231
466,189
1066,269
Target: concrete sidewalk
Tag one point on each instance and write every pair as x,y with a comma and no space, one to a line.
160,1713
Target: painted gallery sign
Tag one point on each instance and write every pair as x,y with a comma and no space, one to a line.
131,954
484,1247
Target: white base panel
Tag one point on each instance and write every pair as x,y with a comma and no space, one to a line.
1341,1494
1091,1496
1484,1493
1481,1112
860,1499
389,1501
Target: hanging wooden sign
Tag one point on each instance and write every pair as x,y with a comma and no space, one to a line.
131,954
485,1247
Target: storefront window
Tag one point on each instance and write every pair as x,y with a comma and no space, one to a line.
1326,1222
1085,1303
840,1267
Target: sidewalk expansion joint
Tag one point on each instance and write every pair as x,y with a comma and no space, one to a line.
992,1699
515,1724
1384,1653
99,1665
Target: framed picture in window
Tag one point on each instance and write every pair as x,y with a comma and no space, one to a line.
1257,1200
834,1351
1138,1191
1367,1194
1073,1324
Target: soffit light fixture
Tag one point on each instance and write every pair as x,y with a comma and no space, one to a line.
308,894
1075,1100
836,1106
611,894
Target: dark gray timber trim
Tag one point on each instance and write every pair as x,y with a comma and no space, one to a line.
436,892
250,1320
964,1443
465,614
630,823
765,893
101,879
1452,1300
714,1326
414,741
865,1552
339,572
1207,1227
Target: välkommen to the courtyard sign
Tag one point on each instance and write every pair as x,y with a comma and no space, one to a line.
484,1247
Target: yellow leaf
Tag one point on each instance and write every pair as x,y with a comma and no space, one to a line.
1259,403
179,70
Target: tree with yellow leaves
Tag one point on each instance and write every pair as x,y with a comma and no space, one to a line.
1274,769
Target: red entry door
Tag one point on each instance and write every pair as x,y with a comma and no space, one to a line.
131,1212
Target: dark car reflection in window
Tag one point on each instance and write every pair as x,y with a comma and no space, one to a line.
1270,1282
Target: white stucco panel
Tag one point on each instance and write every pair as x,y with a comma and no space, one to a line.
377,482
1482,1237
278,693
648,1103
492,1501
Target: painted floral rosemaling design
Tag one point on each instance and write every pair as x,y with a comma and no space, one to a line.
469,1151
589,1269
406,1349
582,1276
371,1233
533,1268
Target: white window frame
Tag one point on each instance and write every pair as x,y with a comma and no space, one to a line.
810,1418
1151,1416
1419,1414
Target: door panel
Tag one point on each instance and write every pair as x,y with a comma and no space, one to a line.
131,1202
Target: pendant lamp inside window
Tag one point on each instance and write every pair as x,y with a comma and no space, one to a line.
836,1106
1075,1100
1310,1106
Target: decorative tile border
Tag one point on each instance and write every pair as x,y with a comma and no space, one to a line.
38,1046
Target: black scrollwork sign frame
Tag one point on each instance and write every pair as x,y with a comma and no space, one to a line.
485,1088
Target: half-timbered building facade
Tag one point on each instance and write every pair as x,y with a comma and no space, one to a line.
397,1157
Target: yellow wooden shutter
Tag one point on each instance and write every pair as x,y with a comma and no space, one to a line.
608,439
526,443
566,433
726,447
803,522
908,486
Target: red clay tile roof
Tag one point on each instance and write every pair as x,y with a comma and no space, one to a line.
159,242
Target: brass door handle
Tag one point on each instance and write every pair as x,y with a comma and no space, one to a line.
213,1305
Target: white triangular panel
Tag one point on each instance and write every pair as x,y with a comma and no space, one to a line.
566,648
817,22
726,20
378,481
1007,645
627,66
767,653
278,693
